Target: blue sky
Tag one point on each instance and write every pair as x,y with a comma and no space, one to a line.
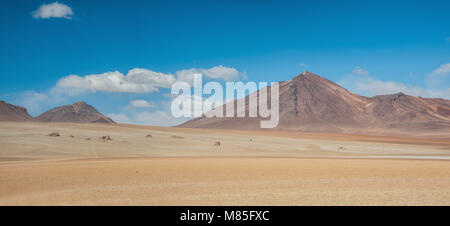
369,47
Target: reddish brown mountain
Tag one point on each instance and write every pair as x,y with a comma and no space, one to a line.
79,112
9,112
309,102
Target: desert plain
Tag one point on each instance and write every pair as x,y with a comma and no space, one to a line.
146,165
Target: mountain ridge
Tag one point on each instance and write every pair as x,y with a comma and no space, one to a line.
309,102
79,112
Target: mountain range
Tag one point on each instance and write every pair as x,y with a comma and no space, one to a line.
79,112
309,102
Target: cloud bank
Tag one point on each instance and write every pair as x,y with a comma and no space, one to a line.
139,80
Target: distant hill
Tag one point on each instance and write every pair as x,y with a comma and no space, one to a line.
310,102
79,112
9,112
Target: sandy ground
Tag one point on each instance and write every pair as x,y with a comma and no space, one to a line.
248,168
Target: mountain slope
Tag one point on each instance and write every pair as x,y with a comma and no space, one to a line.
79,112
309,102
9,112
403,111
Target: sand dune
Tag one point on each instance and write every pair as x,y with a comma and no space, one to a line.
248,168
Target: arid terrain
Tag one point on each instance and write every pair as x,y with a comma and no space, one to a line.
115,164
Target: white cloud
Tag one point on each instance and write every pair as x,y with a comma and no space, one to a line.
359,71
137,80
32,101
221,72
443,70
217,72
438,76
141,103
53,10
303,65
